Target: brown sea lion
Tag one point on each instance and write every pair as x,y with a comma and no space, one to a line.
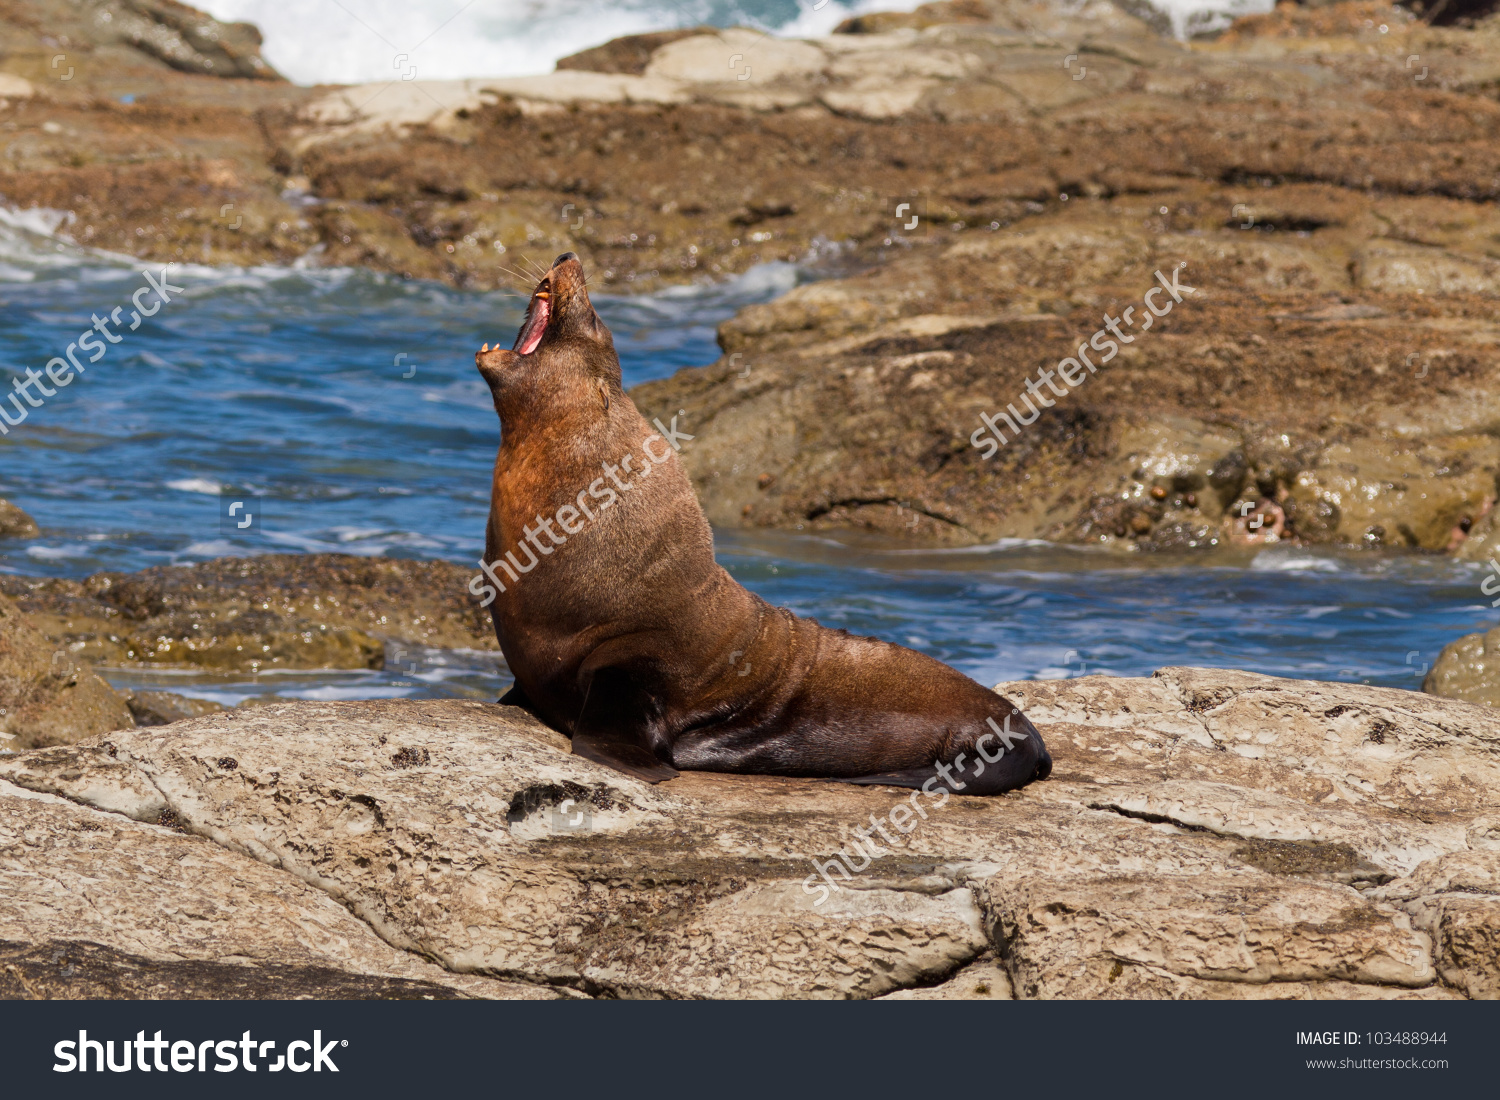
626,635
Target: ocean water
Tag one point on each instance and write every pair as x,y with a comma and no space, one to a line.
369,40
346,405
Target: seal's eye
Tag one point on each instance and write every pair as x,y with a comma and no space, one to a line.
604,394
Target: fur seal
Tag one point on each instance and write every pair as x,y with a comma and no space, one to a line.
625,634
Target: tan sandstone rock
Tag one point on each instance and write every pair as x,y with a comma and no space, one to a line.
15,87
1057,933
1205,834
93,904
46,696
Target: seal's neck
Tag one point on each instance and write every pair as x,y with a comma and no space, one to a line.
567,414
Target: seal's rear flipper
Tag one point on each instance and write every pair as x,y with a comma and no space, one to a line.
973,772
912,777
611,730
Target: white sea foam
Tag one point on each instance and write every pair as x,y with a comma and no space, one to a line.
681,304
371,40
214,548
34,244
196,485
1278,561
1190,17
58,553
228,698
1059,672
765,280
332,693
345,540
367,40
38,220
355,534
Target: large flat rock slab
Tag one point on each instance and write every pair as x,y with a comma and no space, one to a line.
444,827
1157,862
1064,934
94,904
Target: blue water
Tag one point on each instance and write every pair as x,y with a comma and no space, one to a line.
291,386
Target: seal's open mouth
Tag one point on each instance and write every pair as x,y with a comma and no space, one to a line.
537,314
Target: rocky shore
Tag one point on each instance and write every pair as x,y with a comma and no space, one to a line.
1205,834
988,185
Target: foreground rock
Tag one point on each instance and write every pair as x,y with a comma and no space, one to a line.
97,905
1206,834
47,696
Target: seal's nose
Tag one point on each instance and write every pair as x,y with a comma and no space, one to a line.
564,258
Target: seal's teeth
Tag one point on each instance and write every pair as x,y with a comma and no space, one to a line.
543,294
485,348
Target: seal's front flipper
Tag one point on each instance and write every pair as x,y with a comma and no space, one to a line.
611,729
515,697
623,756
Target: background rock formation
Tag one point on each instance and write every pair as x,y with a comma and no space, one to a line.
271,611
16,524
1468,669
1330,197
67,40
1359,415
